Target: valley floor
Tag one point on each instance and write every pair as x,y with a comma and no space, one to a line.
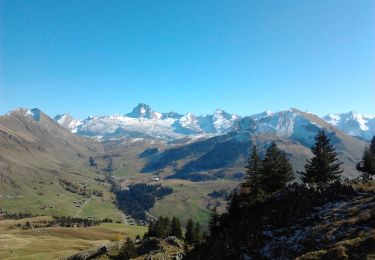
57,242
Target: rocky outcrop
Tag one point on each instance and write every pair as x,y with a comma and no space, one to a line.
95,252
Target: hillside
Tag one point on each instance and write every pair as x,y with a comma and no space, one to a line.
299,222
37,154
38,158
226,155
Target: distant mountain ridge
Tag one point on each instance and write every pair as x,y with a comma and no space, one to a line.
353,123
143,122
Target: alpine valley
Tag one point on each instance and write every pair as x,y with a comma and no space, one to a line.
95,167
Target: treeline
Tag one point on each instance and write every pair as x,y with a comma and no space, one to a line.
62,221
268,205
8,215
81,189
141,197
164,227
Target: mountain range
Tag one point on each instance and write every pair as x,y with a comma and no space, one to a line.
195,155
143,122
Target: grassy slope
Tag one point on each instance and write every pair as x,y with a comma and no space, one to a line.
190,199
56,242
34,155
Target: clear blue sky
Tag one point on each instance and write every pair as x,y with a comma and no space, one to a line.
104,57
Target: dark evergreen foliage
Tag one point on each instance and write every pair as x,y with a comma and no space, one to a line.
176,228
254,173
140,197
276,170
189,235
161,228
128,250
214,221
242,230
372,145
197,233
324,167
367,164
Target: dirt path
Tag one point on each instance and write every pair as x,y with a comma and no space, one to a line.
150,216
124,218
81,208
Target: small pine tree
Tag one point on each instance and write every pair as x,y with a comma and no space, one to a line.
176,228
161,228
254,172
27,225
324,166
214,221
372,145
277,170
367,164
189,235
128,250
197,233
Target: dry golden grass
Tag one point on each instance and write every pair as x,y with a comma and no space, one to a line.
57,242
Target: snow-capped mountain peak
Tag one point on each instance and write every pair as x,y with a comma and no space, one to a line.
144,122
353,123
144,111
67,121
34,113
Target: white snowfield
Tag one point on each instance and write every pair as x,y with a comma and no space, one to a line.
143,122
353,123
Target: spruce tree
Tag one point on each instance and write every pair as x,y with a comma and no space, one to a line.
253,172
277,170
176,228
128,250
214,221
197,233
372,145
189,235
324,167
367,164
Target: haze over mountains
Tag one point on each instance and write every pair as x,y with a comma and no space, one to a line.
144,122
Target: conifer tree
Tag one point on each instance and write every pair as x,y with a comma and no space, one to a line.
372,145
161,228
324,167
254,172
128,250
189,235
277,170
367,164
176,228
236,201
214,220
197,233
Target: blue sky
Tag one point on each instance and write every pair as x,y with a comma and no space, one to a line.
104,57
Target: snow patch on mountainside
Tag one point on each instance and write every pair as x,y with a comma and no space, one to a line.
353,123
143,122
67,121
34,113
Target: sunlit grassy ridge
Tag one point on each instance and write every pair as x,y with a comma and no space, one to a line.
57,242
